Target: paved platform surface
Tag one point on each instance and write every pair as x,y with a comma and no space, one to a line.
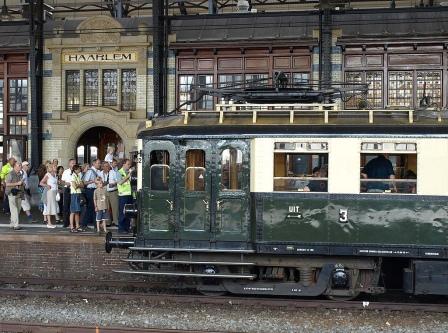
39,227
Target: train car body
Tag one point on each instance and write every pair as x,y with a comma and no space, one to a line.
234,203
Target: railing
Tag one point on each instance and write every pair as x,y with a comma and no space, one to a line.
294,110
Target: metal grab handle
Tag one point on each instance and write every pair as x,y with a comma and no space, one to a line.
206,205
218,205
171,203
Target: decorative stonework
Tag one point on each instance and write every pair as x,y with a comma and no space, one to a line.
100,30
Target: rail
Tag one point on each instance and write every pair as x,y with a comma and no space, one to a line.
294,110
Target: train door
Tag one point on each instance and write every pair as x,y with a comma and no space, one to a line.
194,187
159,189
232,191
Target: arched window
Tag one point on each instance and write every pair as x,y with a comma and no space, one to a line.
231,169
159,170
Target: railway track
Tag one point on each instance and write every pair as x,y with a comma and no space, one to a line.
12,327
229,300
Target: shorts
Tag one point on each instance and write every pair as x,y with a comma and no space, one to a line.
75,203
102,215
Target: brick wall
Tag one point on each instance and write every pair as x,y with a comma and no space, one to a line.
51,256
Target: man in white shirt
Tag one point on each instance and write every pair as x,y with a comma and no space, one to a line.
109,177
67,179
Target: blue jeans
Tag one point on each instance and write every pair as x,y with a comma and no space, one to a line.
123,221
89,216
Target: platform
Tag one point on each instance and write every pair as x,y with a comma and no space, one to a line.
39,252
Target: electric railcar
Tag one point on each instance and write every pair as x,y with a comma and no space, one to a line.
251,200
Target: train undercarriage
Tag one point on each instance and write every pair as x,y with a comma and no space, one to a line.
219,272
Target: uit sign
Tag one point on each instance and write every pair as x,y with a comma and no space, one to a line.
87,57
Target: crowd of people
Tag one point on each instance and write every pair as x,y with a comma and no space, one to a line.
79,196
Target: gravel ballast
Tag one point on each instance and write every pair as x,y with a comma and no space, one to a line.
227,318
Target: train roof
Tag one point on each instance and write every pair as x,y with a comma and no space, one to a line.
286,122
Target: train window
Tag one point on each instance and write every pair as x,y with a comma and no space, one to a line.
389,173
159,170
195,170
231,168
304,172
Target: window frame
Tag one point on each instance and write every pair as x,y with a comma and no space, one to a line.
23,94
91,91
73,97
109,99
394,152
125,105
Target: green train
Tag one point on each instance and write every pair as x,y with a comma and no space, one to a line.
275,200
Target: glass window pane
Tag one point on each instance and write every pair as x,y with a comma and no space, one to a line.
353,77
231,169
303,172
206,102
160,170
91,87
195,170
72,90
185,83
15,149
299,78
429,83
388,173
18,125
401,88
374,80
256,80
110,87
128,89
230,80
80,155
18,95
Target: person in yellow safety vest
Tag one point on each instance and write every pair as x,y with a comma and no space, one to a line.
124,195
6,169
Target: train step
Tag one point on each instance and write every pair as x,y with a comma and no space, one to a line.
191,262
186,274
177,249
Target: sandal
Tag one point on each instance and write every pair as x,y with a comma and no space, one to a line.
79,230
73,230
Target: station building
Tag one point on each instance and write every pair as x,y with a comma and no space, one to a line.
98,70
97,86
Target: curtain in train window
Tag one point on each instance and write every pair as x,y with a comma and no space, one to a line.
231,169
195,170
160,170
